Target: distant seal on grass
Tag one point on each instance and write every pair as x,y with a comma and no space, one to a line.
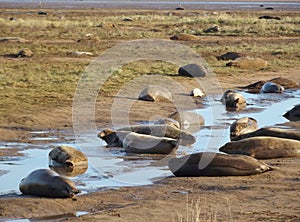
220,165
293,114
154,93
293,134
184,137
270,87
229,56
197,93
147,144
193,70
263,147
45,183
248,63
242,126
184,37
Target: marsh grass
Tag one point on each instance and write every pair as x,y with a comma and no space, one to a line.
200,210
50,77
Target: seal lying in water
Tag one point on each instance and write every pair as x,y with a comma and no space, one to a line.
67,156
220,165
141,143
113,138
272,131
271,87
263,147
45,183
188,121
233,100
184,137
242,126
293,114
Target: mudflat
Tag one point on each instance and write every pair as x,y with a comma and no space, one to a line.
37,93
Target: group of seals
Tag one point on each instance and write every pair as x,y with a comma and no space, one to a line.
64,160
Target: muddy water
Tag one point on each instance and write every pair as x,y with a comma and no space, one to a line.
113,168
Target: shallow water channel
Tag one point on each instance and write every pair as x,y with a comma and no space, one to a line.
112,168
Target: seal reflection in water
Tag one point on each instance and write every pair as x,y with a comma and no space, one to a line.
220,165
263,147
45,183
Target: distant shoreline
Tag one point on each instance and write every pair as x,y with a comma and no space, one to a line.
158,5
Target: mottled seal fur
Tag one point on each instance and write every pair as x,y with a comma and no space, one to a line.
293,134
45,183
271,87
147,144
188,121
220,165
233,100
293,114
242,126
184,137
263,147
67,156
154,93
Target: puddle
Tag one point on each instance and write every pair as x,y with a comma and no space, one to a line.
112,168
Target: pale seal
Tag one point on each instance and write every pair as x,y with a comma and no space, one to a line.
292,133
220,165
263,147
271,87
154,93
45,183
197,93
188,121
184,137
147,144
242,126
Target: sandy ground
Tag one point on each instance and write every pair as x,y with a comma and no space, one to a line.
271,196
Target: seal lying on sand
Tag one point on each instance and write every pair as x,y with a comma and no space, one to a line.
272,131
185,138
270,87
293,114
264,147
242,126
141,143
46,183
168,121
233,100
220,165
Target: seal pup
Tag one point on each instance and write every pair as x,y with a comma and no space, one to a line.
242,126
292,133
147,144
220,165
45,183
271,87
197,93
263,147
113,138
184,137
67,156
293,114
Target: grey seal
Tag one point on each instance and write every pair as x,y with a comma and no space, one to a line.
293,114
271,87
242,126
263,147
220,165
147,144
45,183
